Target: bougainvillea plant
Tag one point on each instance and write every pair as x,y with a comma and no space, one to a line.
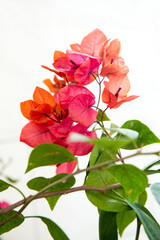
67,122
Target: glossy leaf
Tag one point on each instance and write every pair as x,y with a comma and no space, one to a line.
132,179
55,231
40,182
111,200
146,136
126,132
126,217
102,116
150,225
150,171
155,189
107,226
11,224
48,154
111,144
157,162
3,185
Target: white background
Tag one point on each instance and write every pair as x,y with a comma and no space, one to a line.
30,32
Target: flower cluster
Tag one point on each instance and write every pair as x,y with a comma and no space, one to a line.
68,107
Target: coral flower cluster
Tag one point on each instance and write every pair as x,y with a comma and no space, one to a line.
68,106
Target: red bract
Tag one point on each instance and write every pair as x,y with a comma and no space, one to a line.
35,133
67,167
78,66
60,130
39,109
115,92
80,109
79,148
66,94
4,204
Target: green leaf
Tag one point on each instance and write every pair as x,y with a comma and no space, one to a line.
111,200
126,132
157,162
132,179
155,189
150,225
11,180
112,144
11,224
48,154
55,231
94,155
3,185
101,117
107,226
146,136
126,217
40,182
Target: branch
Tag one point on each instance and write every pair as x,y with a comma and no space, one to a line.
62,192
98,166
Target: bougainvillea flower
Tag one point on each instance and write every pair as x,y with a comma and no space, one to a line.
35,133
67,167
91,44
80,109
56,86
60,74
78,66
115,92
66,94
79,148
40,108
60,130
111,47
4,204
114,64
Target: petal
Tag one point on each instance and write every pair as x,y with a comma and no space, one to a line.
4,204
93,42
83,73
35,133
80,109
58,54
75,47
79,148
41,96
60,130
67,167
62,64
114,47
127,99
27,107
41,113
66,94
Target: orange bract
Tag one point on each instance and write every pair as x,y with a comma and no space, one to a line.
41,96
58,54
39,109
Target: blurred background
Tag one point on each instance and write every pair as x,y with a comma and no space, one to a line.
30,32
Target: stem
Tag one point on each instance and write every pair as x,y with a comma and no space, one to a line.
99,97
62,192
138,229
62,180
